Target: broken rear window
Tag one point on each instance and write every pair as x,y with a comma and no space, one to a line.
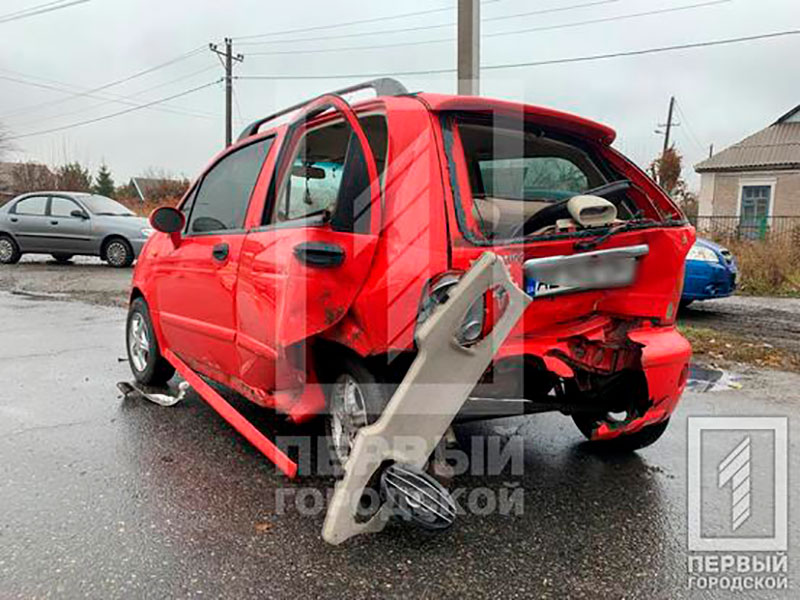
511,172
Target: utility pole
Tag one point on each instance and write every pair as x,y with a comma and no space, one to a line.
227,58
469,45
669,125
711,151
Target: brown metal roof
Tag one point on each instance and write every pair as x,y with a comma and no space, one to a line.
776,147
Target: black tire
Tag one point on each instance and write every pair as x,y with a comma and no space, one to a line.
9,250
624,443
154,370
118,253
62,258
374,392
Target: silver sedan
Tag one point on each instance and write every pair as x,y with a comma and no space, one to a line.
65,224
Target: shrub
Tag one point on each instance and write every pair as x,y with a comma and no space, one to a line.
767,268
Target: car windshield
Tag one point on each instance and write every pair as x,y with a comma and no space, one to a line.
100,205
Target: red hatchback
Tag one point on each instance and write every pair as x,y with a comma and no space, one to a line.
311,251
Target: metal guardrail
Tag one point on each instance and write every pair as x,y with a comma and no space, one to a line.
776,228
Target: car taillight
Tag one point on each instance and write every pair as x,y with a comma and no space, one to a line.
481,316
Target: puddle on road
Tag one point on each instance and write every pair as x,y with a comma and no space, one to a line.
708,379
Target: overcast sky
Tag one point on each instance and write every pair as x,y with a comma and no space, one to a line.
724,93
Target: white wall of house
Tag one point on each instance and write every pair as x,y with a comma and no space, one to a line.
706,197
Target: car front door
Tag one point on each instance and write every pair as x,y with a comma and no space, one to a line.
70,234
195,281
30,225
303,267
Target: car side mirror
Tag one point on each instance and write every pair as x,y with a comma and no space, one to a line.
168,220
78,214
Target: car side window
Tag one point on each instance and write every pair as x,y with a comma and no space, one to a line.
327,176
34,205
221,201
311,185
63,207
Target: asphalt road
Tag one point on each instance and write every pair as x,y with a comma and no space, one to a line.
109,498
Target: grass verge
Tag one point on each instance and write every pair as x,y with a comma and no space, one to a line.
721,347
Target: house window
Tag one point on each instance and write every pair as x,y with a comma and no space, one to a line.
754,214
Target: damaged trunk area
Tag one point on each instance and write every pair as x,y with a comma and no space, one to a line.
606,381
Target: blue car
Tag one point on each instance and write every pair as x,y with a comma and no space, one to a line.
711,272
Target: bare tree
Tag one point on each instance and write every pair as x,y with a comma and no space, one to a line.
32,177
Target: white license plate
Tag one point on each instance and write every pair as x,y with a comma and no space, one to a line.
579,272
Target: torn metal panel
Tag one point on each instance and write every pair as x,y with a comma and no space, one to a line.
234,417
429,397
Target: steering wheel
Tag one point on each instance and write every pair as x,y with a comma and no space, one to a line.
547,216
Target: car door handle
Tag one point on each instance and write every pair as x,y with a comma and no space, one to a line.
220,252
14,219
53,222
319,254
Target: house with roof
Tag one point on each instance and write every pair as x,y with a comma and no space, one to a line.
756,181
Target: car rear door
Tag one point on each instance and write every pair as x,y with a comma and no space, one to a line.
70,234
304,266
195,281
29,224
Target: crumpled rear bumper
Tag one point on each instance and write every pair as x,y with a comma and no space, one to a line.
662,353
665,362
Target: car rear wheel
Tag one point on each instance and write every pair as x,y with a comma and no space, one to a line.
144,355
118,253
9,250
62,258
626,442
356,398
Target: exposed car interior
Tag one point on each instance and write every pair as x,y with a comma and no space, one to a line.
521,179
315,178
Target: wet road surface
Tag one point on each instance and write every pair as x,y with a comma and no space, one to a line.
109,498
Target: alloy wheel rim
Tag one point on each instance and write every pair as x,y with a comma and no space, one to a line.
116,253
138,342
6,250
348,415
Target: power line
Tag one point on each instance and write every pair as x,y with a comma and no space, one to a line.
119,99
40,9
689,130
624,17
105,86
363,21
505,33
116,114
560,61
429,27
556,61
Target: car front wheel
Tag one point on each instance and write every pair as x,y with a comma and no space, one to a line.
144,355
9,250
118,253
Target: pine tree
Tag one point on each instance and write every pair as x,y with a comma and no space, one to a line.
103,183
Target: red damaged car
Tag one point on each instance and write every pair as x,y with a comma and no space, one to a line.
300,265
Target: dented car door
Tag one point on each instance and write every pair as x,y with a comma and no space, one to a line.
303,267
